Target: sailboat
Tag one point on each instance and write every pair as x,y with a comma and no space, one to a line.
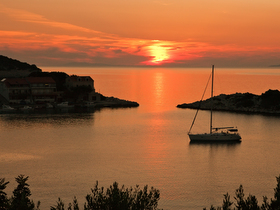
216,134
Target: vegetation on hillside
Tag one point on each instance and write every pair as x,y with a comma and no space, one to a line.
9,64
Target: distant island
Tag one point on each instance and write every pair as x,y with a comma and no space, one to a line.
267,103
26,87
274,66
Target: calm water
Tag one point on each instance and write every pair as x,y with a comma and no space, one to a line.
64,154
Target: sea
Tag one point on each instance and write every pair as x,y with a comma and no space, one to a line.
65,154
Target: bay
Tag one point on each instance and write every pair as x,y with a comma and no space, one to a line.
65,154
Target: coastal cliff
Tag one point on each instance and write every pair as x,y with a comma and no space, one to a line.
266,103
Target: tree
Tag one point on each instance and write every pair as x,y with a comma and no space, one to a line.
60,205
239,197
265,205
275,203
251,202
20,199
226,202
116,198
4,204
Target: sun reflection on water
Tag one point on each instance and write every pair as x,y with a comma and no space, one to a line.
158,87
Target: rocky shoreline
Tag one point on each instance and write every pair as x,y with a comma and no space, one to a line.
107,102
267,103
116,102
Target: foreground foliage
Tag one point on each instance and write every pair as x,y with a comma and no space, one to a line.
114,198
20,199
121,198
251,202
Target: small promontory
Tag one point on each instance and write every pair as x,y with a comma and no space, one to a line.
266,103
77,95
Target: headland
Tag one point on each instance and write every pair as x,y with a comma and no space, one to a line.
267,103
25,87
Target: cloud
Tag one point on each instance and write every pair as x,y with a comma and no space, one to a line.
48,49
28,17
55,45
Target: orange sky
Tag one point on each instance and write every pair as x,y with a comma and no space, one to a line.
187,33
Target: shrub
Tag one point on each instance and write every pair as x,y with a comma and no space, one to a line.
116,198
251,202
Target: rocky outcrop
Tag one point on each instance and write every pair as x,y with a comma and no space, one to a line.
266,103
116,102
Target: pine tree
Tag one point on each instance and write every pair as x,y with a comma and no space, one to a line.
4,202
20,199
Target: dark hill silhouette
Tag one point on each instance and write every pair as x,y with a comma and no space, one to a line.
9,64
266,103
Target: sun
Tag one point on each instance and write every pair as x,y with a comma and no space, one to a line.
159,54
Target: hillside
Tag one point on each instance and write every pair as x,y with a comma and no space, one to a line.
266,103
13,68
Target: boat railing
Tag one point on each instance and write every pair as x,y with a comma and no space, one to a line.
228,129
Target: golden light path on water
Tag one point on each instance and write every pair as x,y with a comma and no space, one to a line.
158,87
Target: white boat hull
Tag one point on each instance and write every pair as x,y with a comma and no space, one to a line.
222,134
215,137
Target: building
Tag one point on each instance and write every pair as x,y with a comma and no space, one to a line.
43,89
15,90
29,90
74,82
78,81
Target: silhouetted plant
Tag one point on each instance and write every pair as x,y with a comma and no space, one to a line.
4,202
74,204
226,202
265,205
60,205
239,197
275,203
251,202
121,198
116,198
20,199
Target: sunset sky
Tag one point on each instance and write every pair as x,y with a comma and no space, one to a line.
179,33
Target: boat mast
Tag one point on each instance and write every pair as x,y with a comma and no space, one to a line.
211,98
